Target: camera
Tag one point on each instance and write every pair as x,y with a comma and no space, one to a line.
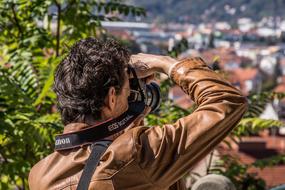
140,91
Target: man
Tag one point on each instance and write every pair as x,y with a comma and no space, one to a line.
92,86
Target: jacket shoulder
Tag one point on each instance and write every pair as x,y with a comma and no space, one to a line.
120,154
36,176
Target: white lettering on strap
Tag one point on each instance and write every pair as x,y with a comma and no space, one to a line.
62,141
119,124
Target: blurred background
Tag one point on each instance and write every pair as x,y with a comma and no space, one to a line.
243,40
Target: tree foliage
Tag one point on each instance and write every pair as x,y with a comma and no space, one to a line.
33,35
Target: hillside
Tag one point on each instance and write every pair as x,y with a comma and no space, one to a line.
195,11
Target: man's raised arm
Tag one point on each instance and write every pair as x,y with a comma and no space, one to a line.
166,153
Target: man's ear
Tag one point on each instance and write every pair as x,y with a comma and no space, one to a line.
111,98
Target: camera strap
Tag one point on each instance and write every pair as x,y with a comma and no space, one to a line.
98,132
97,150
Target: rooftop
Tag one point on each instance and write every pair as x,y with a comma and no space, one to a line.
255,148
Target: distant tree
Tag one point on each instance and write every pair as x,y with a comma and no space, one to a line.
178,48
211,43
197,11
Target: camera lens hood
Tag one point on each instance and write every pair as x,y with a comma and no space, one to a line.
153,97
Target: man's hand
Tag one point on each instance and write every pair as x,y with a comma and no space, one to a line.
147,65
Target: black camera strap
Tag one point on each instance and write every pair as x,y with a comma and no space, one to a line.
98,132
98,149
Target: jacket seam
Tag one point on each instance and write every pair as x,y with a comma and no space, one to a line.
147,177
93,180
143,172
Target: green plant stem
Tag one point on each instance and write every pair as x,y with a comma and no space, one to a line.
16,20
58,28
23,182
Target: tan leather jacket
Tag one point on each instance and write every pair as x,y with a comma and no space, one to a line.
157,157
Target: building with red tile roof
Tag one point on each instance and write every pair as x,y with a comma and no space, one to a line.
253,148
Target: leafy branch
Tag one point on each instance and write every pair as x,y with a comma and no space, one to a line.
30,51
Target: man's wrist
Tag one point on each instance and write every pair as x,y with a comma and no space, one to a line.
169,71
167,65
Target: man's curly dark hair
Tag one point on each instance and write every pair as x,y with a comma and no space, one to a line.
84,76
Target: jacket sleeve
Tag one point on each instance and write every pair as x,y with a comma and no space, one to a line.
166,153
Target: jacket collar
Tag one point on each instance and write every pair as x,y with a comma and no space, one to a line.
72,127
